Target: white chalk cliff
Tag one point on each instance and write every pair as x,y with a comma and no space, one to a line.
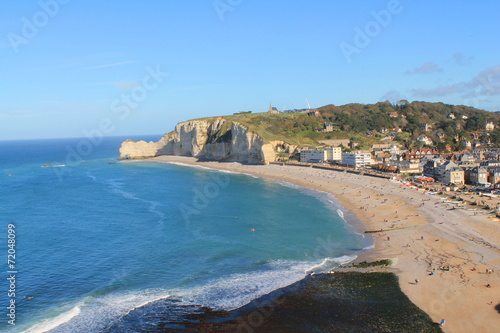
210,139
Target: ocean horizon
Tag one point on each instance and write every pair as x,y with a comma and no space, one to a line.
98,240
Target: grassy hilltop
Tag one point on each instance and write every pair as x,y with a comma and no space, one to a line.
370,123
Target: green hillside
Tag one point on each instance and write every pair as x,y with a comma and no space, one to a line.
370,123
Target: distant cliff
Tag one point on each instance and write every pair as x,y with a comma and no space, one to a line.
212,139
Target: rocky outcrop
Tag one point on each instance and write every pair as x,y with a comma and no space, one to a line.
141,149
211,139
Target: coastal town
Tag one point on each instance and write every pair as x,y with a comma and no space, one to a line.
478,166
468,172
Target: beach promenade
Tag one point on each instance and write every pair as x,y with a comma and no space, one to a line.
447,261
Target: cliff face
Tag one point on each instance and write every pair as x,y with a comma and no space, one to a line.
218,140
141,149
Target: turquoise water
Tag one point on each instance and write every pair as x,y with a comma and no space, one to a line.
97,238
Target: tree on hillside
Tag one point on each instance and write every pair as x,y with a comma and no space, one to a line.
463,135
441,147
413,124
475,123
495,137
458,146
449,127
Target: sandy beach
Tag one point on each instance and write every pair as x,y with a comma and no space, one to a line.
447,261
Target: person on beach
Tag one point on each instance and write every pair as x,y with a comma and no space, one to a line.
443,322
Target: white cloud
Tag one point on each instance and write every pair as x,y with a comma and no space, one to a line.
427,68
486,83
392,96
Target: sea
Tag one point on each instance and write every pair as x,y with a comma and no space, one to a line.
94,241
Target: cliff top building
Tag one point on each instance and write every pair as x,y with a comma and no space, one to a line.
272,109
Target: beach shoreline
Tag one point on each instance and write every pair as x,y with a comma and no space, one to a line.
440,256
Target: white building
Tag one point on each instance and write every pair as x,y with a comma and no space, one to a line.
407,166
307,155
357,159
454,176
425,140
333,154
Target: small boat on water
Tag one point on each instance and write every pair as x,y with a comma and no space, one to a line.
53,166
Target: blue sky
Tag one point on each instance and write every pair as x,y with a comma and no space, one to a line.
73,67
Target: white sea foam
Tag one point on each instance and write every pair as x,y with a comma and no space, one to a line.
236,290
49,324
291,185
241,173
195,166
211,169
93,314
329,263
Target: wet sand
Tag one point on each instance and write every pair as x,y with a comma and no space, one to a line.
419,234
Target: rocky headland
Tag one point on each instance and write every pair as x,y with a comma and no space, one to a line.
209,139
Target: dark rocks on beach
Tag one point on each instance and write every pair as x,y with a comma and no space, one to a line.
340,302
